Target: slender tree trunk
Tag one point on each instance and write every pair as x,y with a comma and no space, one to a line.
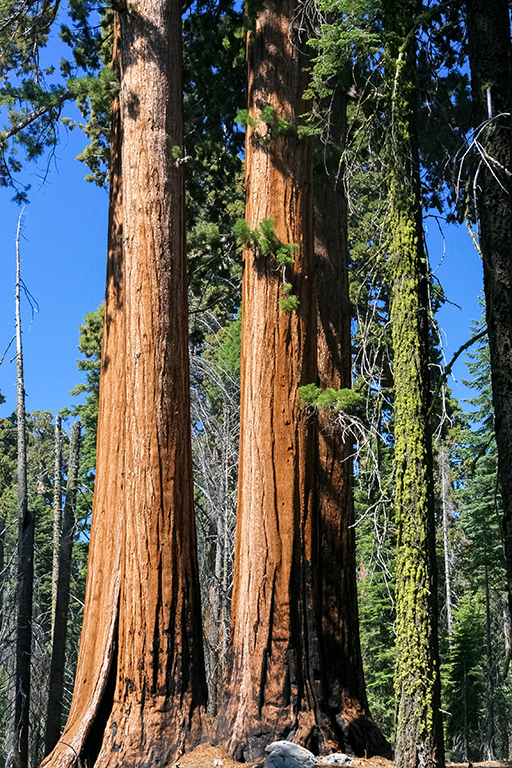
140,686
2,567
214,616
465,742
57,514
279,684
488,28
419,733
58,662
444,465
489,718
26,525
211,610
338,589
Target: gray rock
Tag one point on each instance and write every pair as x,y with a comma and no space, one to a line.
284,754
337,758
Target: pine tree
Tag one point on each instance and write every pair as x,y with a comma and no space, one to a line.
479,647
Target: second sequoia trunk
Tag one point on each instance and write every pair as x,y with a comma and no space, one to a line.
279,680
341,647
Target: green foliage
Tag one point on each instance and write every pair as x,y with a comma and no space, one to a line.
8,456
465,686
269,117
475,692
348,47
245,236
214,78
336,399
277,125
227,354
94,96
251,10
244,119
33,97
289,303
376,584
91,334
264,241
479,498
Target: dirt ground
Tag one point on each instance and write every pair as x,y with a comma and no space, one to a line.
206,756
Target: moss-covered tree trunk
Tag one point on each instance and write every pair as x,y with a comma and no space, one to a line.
488,28
280,684
419,737
140,685
337,565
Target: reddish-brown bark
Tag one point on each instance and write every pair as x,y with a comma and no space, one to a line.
279,680
341,651
140,686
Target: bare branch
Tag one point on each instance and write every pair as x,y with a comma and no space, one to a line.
448,369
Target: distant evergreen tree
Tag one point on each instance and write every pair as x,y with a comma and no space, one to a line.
465,687
477,693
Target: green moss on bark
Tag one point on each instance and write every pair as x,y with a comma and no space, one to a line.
418,727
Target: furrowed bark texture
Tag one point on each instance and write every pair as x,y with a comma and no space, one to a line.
146,616
337,565
279,684
419,737
271,686
488,28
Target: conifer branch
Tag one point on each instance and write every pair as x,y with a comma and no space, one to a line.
33,116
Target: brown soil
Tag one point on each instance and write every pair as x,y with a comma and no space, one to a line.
206,756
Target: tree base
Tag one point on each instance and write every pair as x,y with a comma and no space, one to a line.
358,735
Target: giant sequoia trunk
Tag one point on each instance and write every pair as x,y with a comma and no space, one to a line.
280,683
337,565
140,684
490,53
419,737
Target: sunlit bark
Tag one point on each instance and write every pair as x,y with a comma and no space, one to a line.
287,623
140,686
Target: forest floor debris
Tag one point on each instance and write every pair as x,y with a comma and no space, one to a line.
207,756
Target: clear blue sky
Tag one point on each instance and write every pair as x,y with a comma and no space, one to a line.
63,252
458,267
